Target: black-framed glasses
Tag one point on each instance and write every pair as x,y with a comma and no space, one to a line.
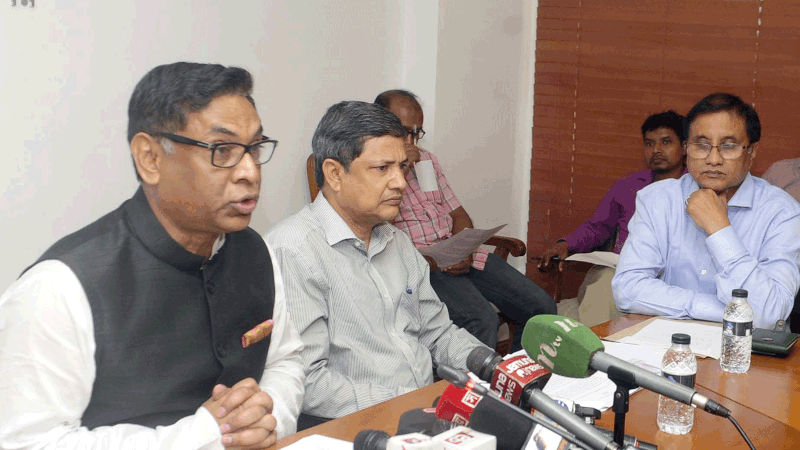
228,154
728,150
416,134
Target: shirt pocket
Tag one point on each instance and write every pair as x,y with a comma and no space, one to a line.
409,312
435,196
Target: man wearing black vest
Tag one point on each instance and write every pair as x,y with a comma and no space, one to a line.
150,328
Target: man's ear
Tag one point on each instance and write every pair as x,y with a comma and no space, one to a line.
753,152
333,171
147,154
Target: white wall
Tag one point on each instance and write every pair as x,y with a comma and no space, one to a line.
484,104
67,70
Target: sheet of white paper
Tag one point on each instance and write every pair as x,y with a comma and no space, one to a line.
645,356
458,247
320,442
706,339
597,391
426,176
607,259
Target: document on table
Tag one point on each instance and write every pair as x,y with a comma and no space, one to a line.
458,247
607,259
597,391
320,442
706,336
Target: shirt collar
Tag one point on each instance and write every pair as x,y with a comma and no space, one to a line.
217,245
650,175
336,229
743,198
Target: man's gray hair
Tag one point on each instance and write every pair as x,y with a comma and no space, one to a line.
345,127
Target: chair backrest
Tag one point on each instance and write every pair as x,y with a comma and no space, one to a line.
312,182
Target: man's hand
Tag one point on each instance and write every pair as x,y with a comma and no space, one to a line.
560,249
459,268
413,155
244,415
708,210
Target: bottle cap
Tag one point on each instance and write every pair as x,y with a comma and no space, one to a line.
740,293
681,338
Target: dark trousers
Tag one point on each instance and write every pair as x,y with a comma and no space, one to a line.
794,316
467,298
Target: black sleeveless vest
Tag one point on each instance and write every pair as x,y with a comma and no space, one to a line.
167,327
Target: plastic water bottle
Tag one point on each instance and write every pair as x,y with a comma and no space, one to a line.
680,366
737,334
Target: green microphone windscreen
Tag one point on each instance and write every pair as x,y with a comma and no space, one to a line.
560,344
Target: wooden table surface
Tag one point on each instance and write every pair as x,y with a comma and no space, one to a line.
764,401
384,416
769,387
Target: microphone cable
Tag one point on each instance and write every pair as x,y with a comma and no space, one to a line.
741,431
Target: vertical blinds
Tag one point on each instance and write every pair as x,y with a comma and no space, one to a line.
603,66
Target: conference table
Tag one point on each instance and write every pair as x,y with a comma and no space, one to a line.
764,401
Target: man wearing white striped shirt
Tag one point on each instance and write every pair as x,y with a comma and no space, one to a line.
357,289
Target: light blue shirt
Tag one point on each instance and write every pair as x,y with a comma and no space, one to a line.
670,267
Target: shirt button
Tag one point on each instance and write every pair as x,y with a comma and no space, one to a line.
703,272
211,287
221,351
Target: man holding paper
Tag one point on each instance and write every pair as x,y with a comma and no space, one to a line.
430,213
717,228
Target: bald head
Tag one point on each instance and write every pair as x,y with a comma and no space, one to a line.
404,105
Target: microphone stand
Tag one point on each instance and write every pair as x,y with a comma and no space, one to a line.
625,381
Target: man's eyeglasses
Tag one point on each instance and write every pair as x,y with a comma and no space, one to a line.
728,150
416,134
228,154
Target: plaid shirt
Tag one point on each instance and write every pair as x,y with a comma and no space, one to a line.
425,216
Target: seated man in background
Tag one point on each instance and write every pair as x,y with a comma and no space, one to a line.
785,174
664,155
149,328
361,297
694,240
466,288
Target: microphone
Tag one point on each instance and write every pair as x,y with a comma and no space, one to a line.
464,407
513,431
419,420
512,378
459,438
571,349
544,404
457,405
379,440
463,438
529,374
586,413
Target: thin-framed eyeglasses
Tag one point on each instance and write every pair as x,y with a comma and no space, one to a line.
728,150
415,134
228,154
